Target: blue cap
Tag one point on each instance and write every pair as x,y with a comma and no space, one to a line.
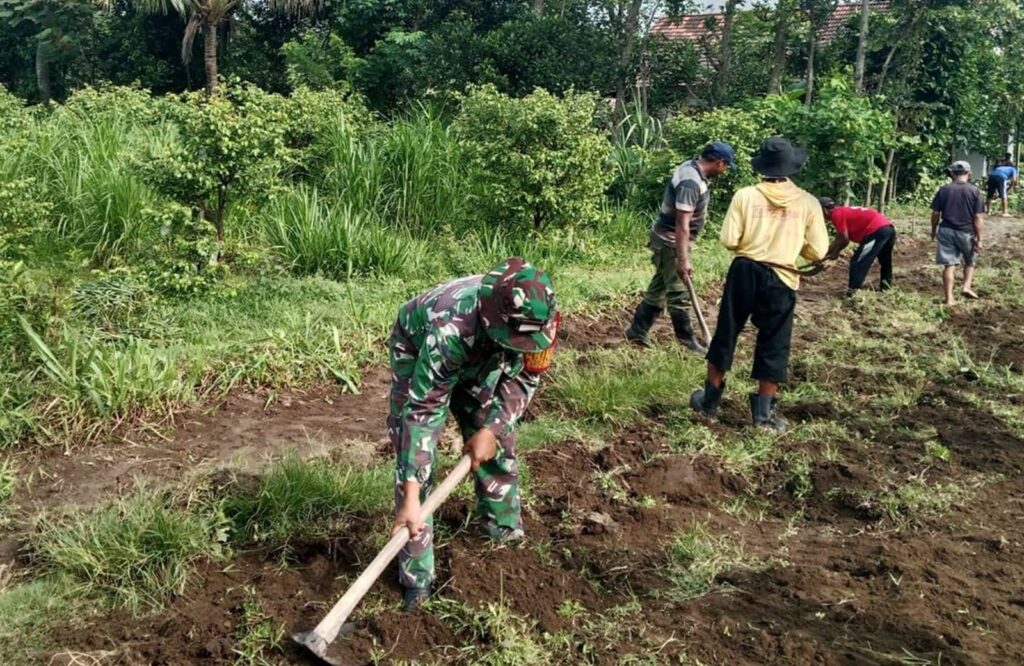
720,150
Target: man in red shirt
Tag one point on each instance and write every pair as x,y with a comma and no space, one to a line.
874,233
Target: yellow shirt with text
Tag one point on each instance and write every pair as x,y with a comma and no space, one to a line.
775,223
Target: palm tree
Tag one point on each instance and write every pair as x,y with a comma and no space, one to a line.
208,17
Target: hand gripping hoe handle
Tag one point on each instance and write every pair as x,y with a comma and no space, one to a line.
696,308
317,640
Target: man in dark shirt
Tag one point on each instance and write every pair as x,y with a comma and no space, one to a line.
957,224
684,206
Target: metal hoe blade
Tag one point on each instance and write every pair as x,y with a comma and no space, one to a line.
317,644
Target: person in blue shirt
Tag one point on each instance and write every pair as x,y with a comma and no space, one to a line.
1000,179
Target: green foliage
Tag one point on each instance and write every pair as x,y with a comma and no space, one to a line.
510,638
187,262
225,146
315,238
319,61
8,481
139,550
538,159
299,499
845,134
14,116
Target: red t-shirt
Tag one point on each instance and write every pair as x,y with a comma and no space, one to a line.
857,222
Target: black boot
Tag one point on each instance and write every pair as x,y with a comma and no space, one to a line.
684,332
705,401
643,319
762,411
414,597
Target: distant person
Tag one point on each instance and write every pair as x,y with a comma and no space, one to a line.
684,207
875,235
1003,177
768,226
957,223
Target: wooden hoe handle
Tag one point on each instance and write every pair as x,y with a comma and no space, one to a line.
331,624
696,308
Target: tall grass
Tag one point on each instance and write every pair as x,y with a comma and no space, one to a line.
82,166
408,174
314,237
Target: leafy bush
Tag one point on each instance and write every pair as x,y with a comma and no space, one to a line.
139,550
845,134
319,62
14,116
225,146
538,160
186,264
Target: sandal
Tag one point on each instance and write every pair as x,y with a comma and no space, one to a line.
969,294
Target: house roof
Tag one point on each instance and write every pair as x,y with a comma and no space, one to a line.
693,27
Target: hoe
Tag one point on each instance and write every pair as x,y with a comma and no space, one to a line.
319,639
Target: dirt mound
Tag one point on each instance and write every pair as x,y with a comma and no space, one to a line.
993,335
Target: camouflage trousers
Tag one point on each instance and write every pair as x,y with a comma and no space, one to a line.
497,482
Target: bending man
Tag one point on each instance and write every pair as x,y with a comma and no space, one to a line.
473,346
873,231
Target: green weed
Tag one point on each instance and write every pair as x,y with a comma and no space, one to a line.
256,636
8,482
139,550
695,559
30,611
299,499
504,638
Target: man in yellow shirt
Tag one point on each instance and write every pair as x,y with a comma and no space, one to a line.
768,227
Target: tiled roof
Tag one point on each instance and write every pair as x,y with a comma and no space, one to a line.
693,27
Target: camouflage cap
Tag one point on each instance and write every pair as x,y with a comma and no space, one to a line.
517,306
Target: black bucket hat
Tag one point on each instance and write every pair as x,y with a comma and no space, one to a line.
778,158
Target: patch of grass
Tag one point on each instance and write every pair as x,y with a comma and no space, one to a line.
696,558
299,499
500,637
30,611
745,452
908,504
747,508
139,550
547,430
621,385
8,481
256,636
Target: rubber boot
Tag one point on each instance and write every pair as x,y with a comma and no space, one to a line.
502,534
643,319
762,412
414,597
705,401
684,332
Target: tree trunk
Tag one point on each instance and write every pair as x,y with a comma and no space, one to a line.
725,59
630,27
809,94
538,7
210,57
862,46
886,181
43,73
779,49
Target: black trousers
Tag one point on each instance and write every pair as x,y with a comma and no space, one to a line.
877,245
754,292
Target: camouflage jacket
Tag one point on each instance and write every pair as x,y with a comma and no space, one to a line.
438,344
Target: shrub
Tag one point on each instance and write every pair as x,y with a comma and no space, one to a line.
225,145
538,160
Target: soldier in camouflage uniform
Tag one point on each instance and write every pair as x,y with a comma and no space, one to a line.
465,346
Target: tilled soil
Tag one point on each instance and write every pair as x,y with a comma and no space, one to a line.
829,574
